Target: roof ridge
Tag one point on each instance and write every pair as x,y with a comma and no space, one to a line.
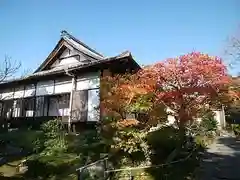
64,33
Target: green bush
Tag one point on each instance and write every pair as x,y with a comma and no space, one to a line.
88,144
201,141
52,128
54,137
236,129
208,123
52,160
162,142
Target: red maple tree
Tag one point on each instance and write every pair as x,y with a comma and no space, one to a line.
186,83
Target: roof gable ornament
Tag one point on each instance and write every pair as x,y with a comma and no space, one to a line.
64,33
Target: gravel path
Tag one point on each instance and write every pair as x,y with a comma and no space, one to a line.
222,160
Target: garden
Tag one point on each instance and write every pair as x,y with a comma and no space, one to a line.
134,132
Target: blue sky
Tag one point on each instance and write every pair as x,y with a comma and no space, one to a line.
152,30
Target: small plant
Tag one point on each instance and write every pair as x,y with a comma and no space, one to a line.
236,129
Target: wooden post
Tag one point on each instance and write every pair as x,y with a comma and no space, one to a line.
71,102
105,169
34,103
79,174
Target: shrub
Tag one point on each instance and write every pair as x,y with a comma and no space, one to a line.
236,129
55,138
208,123
88,144
52,128
52,159
162,142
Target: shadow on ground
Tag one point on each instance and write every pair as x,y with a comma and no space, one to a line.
221,160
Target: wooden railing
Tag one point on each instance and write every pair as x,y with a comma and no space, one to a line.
128,173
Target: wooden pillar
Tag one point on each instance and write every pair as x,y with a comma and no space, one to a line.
13,105
23,103
71,102
35,99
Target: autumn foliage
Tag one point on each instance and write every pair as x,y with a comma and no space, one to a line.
184,84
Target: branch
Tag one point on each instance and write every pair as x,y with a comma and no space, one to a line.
233,50
8,68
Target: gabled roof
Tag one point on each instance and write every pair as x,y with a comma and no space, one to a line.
78,66
69,41
69,37
93,58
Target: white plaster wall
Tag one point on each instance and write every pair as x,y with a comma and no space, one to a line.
63,85
217,116
66,53
69,58
19,92
45,88
29,90
220,118
88,81
7,94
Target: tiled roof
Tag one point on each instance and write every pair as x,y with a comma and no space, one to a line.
80,65
69,41
76,42
69,67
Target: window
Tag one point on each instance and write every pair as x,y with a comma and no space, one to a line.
28,107
41,106
17,108
93,105
53,106
85,105
59,105
7,108
64,105
80,105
